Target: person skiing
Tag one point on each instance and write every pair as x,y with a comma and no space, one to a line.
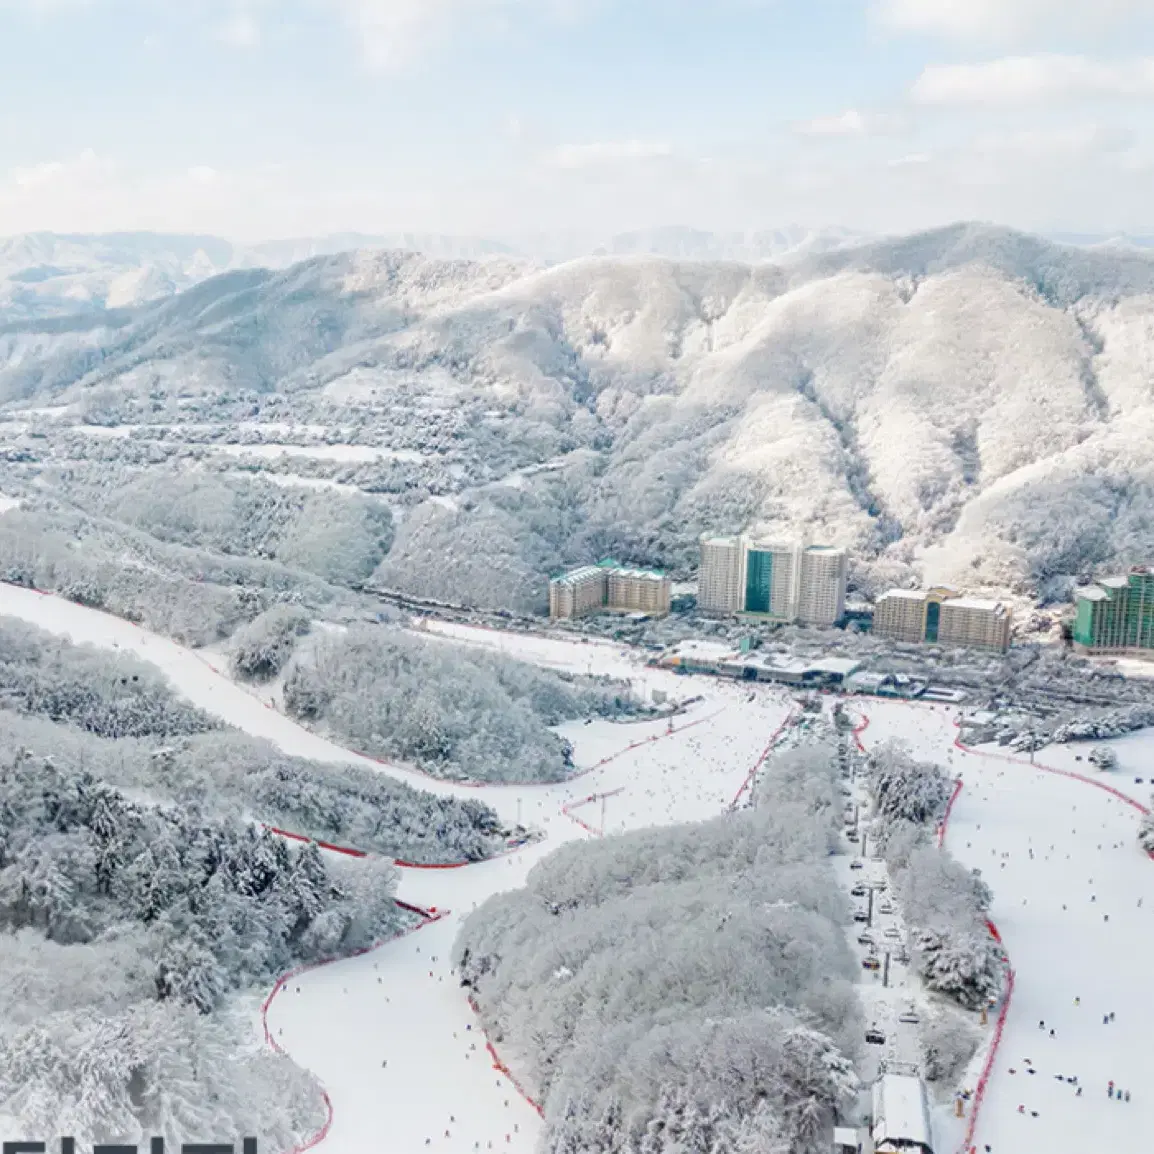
1127,1095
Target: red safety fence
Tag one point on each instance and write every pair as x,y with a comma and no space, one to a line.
1042,768
858,730
991,1057
945,822
499,1065
775,737
428,918
568,808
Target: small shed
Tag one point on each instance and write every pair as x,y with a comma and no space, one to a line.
901,1122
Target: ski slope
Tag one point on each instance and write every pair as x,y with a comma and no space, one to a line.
1074,904
390,1034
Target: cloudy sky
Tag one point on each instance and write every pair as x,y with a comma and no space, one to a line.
263,118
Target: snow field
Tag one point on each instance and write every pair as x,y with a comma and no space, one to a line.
1051,910
396,1005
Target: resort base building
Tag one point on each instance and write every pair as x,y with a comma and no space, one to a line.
940,616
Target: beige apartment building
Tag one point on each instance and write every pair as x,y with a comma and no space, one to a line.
638,591
821,585
721,576
609,588
784,581
574,594
976,622
941,616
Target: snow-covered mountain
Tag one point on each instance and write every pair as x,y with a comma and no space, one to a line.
970,404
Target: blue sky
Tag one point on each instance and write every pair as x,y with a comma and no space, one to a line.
262,118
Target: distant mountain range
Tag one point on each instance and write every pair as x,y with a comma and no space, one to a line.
54,274
970,404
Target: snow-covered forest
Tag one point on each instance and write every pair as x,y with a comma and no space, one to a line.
687,988
467,427
115,717
944,904
123,921
456,712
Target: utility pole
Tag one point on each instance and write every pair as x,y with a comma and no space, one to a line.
870,909
604,798
518,811
864,836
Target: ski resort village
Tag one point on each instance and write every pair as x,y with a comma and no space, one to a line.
619,705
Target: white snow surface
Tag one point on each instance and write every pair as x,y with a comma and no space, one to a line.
1051,911
343,1024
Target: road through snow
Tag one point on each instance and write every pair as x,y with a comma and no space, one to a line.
390,1034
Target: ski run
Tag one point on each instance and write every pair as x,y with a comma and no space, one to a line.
391,1035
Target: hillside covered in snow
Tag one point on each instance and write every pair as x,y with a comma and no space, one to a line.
971,405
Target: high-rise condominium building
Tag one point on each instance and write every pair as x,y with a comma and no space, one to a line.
781,580
611,587
940,615
1117,614
821,585
772,571
720,576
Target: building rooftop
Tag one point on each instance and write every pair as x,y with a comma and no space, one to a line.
823,549
900,1112
584,573
1115,582
646,574
703,650
1092,593
904,595
975,603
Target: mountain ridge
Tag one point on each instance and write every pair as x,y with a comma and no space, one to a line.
967,404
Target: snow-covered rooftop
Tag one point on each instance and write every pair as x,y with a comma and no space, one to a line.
903,595
901,1115
1092,593
974,603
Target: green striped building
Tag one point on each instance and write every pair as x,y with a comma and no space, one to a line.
1116,615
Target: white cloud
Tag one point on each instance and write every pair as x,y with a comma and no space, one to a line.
241,30
607,152
851,123
392,31
999,21
1063,142
1027,79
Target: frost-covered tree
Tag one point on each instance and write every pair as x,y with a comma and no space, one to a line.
457,712
262,648
634,974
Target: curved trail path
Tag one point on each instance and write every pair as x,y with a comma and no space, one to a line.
1074,907
390,1034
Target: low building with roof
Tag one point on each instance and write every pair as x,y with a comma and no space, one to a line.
901,1116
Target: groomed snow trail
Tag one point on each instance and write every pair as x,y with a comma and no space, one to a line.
390,1034
1079,942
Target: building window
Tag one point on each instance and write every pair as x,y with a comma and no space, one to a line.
758,582
933,621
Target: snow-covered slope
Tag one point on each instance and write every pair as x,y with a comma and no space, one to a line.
970,404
